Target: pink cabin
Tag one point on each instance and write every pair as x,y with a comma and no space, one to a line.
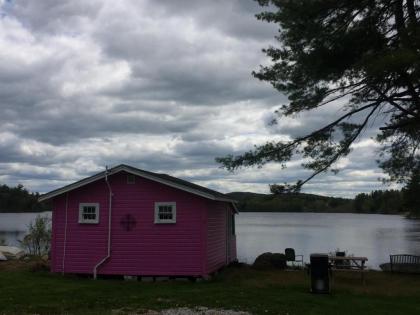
128,221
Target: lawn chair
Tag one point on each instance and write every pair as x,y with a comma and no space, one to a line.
292,257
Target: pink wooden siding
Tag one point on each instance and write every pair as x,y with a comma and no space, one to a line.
86,243
221,244
148,249
196,245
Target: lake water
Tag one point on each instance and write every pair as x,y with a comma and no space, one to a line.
371,235
13,226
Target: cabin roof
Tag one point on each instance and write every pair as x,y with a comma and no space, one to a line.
157,177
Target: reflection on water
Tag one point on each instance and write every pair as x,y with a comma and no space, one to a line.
13,226
370,235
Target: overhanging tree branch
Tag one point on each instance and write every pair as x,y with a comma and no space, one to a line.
342,151
367,51
233,163
395,104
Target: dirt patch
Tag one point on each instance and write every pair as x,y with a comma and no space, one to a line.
30,264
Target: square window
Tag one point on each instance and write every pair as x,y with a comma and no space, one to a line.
131,179
89,213
165,212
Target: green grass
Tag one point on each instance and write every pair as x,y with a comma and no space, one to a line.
260,292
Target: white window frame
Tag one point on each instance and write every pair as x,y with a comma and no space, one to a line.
88,221
164,221
131,179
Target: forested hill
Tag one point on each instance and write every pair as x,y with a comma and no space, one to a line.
18,199
388,201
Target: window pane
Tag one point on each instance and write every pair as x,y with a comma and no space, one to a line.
165,213
89,213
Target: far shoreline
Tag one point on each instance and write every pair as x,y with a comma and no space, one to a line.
406,214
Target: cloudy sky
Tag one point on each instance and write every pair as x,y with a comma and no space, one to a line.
161,85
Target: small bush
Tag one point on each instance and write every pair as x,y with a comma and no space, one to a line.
38,241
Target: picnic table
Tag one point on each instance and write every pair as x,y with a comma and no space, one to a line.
350,263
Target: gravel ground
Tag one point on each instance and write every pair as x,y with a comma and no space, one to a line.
191,311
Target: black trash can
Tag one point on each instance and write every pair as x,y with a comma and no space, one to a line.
320,273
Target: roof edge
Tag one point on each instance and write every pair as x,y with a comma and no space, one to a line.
133,171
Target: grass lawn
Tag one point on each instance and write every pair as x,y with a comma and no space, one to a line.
238,288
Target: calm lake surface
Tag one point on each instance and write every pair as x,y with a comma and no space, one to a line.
371,235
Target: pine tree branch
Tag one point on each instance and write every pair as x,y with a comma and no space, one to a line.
233,163
393,103
343,149
400,125
327,127
411,8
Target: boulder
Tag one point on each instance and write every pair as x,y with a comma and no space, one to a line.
263,261
2,257
270,261
279,261
12,252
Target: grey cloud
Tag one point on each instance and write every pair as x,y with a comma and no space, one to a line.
162,85
53,16
176,71
72,126
235,18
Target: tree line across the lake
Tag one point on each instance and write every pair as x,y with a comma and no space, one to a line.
378,201
19,199
407,200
